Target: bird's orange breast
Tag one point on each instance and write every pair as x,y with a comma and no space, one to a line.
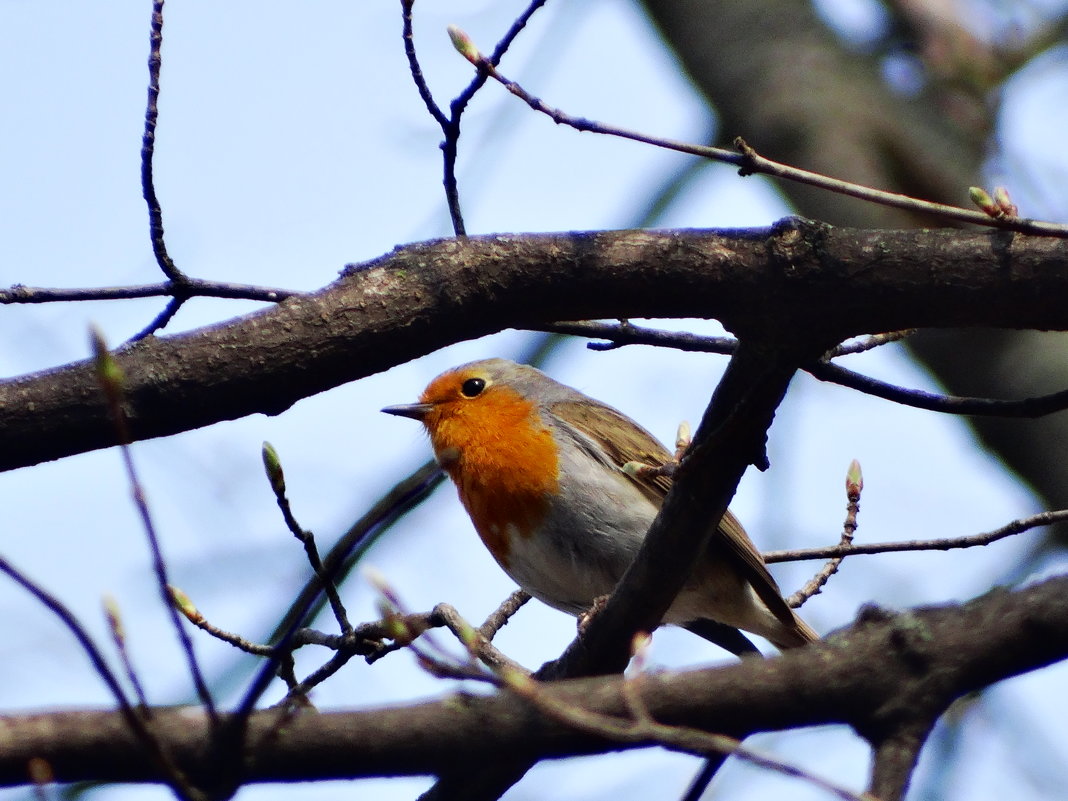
504,461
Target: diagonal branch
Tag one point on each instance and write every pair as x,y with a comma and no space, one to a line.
626,333
942,544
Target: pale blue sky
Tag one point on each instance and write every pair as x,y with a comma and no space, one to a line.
291,142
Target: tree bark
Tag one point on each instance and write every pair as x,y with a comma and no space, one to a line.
801,280
879,675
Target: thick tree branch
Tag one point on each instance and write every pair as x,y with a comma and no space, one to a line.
795,277
878,675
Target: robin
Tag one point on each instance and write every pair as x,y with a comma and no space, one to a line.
539,469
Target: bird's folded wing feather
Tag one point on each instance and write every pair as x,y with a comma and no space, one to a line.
624,441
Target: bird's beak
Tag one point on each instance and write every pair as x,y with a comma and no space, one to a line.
416,411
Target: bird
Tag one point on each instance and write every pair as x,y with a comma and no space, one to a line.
539,467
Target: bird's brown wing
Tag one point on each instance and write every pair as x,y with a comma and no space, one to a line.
621,439
625,441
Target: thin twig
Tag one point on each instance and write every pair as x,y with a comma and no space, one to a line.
480,646
450,124
950,543
1026,408
161,320
460,103
237,641
365,640
192,287
481,653
148,148
499,618
325,671
276,476
67,618
416,70
404,496
620,334
137,724
854,486
162,581
749,161
110,379
415,625
118,636
870,343
641,727
307,539
630,334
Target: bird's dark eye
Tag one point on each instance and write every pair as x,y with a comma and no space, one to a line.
473,387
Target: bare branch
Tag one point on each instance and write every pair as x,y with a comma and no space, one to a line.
192,287
866,677
134,723
642,728
277,479
461,101
148,149
627,333
750,162
112,383
947,404
970,541
870,343
854,486
416,69
499,619
421,297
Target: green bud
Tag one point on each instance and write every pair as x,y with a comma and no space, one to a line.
114,616
184,605
854,479
463,44
273,467
981,198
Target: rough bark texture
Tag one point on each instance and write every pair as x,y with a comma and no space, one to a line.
880,675
810,282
